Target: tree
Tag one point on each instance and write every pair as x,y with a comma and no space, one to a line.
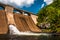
50,14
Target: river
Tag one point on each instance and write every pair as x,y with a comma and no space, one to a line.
31,37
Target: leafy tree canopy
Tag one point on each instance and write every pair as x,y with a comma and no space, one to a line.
50,14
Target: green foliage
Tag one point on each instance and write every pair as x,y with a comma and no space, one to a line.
50,14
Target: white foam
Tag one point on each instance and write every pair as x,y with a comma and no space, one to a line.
15,31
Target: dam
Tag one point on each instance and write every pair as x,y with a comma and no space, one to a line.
21,20
20,26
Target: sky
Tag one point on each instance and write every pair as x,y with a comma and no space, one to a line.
32,6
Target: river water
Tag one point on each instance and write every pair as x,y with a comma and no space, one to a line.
30,37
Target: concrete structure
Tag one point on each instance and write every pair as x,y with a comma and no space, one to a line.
9,14
22,20
34,18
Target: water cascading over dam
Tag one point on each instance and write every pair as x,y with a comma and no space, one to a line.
21,20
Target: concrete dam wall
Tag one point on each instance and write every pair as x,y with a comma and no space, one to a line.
3,23
23,22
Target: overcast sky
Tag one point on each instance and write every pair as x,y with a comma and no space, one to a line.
29,5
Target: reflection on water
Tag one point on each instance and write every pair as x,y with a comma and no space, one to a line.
41,37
